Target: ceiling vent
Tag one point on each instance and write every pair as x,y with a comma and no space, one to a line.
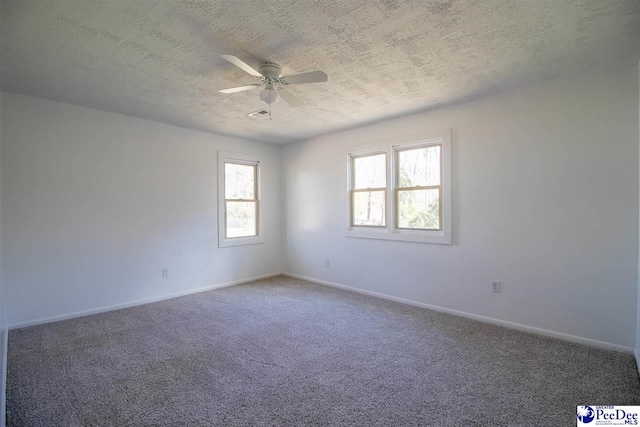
258,113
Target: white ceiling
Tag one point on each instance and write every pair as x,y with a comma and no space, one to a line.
160,60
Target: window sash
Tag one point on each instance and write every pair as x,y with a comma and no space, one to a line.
353,204
226,218
354,157
396,204
396,159
254,165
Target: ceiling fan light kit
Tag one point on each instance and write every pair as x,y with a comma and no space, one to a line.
269,96
273,82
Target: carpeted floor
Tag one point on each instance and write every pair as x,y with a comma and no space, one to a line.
281,352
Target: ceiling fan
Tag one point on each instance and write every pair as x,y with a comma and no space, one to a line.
273,82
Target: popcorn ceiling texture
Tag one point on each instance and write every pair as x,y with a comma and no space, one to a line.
160,60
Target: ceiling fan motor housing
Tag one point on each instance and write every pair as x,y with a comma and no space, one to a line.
270,71
270,75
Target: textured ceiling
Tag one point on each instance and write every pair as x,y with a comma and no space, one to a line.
160,60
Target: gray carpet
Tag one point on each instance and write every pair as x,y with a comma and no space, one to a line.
287,352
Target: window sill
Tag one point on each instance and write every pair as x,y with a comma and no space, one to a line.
434,237
240,241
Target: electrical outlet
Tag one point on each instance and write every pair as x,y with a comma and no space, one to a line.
326,263
165,273
496,286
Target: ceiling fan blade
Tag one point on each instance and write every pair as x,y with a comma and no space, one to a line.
290,98
242,65
312,77
239,88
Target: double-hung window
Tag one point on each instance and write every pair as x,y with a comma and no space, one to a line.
418,188
238,200
369,193
401,190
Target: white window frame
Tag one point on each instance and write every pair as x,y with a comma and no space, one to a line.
229,157
353,190
391,148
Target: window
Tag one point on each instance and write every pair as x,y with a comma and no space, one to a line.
401,191
369,193
239,201
419,189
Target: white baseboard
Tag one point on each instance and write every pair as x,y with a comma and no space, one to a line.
134,303
511,325
507,324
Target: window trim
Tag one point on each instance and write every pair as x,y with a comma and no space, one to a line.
392,147
237,158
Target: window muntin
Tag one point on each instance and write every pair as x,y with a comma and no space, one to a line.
418,191
368,190
240,201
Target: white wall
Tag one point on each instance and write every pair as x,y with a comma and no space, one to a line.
637,349
95,204
545,199
3,304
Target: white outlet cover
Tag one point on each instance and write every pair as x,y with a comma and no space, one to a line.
496,286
